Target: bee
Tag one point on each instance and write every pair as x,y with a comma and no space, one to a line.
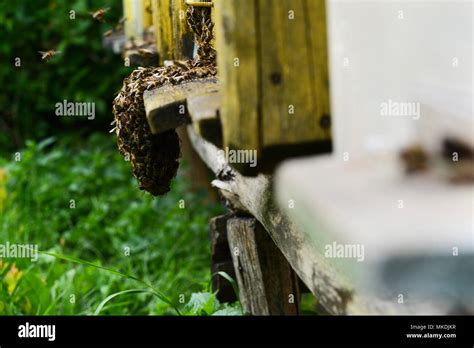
108,33
145,53
47,55
100,14
182,64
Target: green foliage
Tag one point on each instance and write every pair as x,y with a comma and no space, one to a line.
116,239
206,303
83,72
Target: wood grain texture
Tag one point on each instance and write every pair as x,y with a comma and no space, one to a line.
237,43
166,106
285,74
163,23
272,57
266,281
204,113
183,39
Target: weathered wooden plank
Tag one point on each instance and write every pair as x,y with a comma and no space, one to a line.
238,71
183,40
266,281
221,259
166,106
162,21
294,91
319,62
275,96
286,85
333,290
204,110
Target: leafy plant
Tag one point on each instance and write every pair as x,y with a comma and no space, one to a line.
113,225
83,72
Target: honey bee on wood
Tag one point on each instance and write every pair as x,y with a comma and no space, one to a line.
100,14
47,55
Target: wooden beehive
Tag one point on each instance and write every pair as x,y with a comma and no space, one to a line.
138,17
174,39
272,58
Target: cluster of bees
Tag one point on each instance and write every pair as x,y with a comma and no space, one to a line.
155,157
98,15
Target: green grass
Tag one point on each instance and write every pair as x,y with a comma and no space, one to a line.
117,252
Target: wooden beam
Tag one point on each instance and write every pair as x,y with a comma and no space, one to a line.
166,106
268,285
204,112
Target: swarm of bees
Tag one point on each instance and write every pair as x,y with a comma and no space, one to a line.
47,55
155,157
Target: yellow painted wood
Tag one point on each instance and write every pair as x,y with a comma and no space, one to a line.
147,13
317,34
138,15
183,40
292,100
237,62
162,21
127,13
275,100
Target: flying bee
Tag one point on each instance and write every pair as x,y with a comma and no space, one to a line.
47,55
108,33
100,14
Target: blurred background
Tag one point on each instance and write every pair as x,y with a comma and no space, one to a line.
46,162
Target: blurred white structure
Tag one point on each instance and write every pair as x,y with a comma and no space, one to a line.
404,51
401,72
